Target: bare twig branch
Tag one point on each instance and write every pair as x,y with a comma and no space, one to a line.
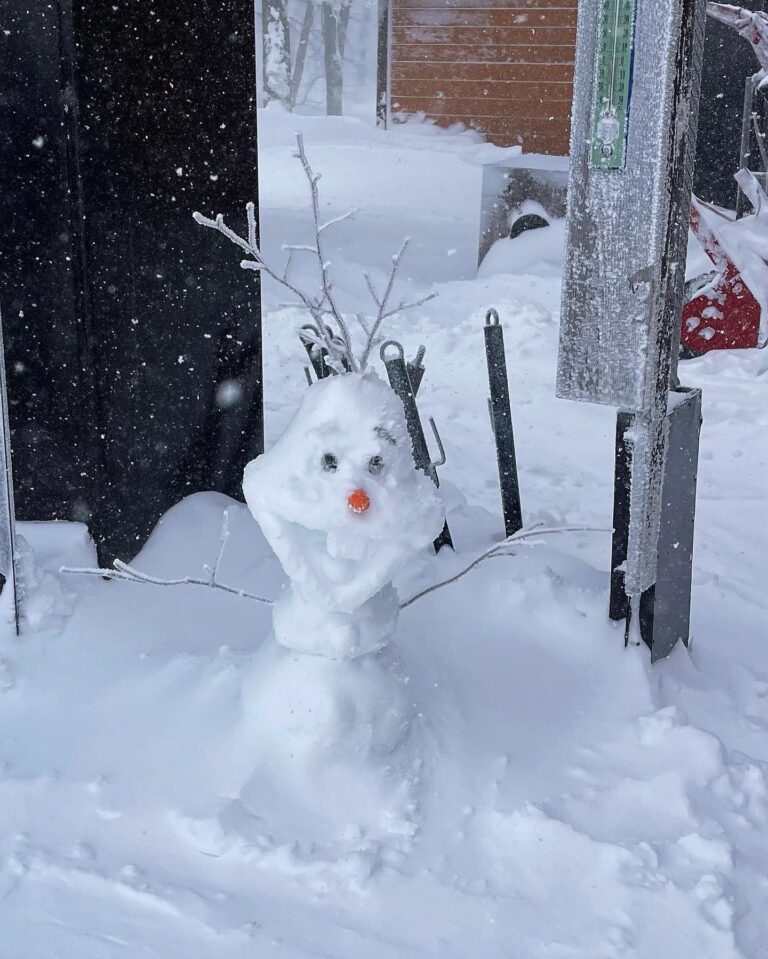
349,215
323,306
130,574
381,302
503,549
411,305
369,284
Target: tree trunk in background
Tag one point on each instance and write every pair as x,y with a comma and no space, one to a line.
276,42
333,74
301,51
343,28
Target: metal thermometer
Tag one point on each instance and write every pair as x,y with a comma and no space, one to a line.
615,51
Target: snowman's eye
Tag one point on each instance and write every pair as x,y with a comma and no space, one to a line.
375,465
329,463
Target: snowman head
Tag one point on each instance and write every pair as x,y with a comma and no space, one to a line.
340,483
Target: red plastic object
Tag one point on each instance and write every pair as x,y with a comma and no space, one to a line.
724,315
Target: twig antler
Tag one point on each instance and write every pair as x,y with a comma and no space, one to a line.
320,306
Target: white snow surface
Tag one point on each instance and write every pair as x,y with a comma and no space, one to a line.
551,795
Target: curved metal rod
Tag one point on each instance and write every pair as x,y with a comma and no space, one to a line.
397,346
442,460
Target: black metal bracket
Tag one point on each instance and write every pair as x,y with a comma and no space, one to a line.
664,608
393,357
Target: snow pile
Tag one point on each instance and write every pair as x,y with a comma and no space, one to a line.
539,252
336,750
45,602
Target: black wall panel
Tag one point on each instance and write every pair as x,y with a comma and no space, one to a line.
132,336
728,61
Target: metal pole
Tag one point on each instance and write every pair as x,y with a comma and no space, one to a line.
501,422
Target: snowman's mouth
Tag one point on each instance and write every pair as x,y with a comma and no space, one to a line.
346,544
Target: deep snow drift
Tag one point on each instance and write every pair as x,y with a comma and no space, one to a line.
558,798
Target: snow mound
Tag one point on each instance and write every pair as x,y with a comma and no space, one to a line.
536,252
335,751
45,602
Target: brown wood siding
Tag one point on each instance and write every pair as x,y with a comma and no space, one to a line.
502,67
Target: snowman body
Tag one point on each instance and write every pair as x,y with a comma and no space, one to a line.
342,506
328,715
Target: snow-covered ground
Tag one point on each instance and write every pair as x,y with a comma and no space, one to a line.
571,801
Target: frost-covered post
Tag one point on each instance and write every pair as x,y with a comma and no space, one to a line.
7,514
635,112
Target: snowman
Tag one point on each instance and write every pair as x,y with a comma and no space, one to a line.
342,506
327,710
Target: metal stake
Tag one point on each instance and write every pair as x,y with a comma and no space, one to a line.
501,422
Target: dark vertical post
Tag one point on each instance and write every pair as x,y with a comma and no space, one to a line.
383,52
501,421
618,606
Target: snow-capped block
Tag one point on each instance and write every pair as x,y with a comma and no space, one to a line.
342,506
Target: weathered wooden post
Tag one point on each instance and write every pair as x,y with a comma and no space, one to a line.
635,110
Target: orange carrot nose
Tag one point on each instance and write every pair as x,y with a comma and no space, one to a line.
358,501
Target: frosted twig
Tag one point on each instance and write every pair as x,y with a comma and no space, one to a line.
411,305
321,307
502,549
337,219
222,546
124,571
299,248
129,574
312,180
381,302
369,284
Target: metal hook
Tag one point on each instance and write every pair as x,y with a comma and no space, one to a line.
442,460
396,345
309,326
492,318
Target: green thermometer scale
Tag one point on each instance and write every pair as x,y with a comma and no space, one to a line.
615,45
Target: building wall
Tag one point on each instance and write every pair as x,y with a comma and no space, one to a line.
503,67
